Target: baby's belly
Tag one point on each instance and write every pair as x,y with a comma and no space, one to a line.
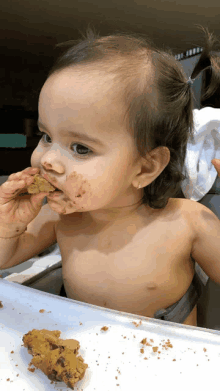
147,312
142,296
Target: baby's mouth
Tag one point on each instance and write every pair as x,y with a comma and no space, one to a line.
55,192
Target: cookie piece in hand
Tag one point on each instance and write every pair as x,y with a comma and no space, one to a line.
56,357
39,185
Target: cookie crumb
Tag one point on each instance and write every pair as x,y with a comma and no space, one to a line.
31,369
104,328
144,342
137,324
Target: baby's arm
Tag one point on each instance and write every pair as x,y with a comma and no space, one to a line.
39,235
206,244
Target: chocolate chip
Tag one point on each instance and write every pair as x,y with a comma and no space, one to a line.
52,375
53,346
61,361
29,349
68,375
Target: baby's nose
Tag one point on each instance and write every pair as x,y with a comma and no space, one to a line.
54,166
48,166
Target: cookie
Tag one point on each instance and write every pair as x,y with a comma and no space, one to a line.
57,358
39,185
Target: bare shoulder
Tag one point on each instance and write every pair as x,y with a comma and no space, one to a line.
200,218
194,210
180,208
183,210
187,209
184,205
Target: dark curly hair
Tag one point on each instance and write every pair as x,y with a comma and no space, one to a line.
155,91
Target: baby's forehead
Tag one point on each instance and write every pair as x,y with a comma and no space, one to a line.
81,88
90,81
84,98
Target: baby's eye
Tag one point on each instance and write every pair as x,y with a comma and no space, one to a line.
80,149
44,136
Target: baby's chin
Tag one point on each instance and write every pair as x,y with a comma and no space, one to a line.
63,209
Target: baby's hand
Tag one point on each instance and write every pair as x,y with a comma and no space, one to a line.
216,164
18,211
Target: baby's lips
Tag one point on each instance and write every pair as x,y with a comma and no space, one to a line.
50,180
45,176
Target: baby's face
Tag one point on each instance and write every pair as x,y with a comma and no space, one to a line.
85,149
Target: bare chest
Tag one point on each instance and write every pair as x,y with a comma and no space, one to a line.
135,269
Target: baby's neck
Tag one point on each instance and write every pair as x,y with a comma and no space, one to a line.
114,215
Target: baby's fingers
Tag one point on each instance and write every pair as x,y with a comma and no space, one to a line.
27,173
10,187
13,186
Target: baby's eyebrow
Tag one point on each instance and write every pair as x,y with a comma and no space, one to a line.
79,136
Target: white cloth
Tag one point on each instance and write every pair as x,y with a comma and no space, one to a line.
201,149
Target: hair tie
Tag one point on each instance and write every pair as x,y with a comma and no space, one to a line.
190,81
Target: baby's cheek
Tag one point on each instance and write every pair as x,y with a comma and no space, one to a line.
78,190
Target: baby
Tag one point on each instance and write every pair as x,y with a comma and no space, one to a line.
115,115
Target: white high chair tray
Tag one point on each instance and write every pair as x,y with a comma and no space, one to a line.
114,356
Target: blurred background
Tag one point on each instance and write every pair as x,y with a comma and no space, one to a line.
30,30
